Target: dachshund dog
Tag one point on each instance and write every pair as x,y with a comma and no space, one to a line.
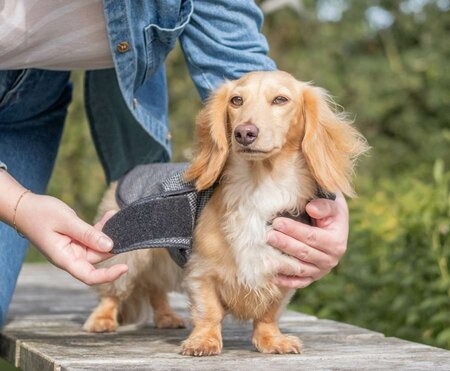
267,142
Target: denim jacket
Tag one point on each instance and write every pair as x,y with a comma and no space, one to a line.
220,39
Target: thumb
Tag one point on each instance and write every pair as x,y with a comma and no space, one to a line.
321,208
87,235
101,223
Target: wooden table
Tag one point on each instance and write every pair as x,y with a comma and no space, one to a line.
49,307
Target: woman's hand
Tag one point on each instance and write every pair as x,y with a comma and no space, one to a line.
66,240
318,248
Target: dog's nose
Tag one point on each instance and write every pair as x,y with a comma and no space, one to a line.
246,134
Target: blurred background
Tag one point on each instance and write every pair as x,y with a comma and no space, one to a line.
387,63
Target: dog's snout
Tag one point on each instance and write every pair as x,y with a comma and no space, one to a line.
246,134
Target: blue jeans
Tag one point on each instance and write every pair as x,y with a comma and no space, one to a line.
33,106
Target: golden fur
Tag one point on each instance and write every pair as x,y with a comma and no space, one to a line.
301,143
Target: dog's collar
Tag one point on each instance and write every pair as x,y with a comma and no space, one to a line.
159,209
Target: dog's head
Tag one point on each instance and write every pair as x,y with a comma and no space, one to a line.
264,114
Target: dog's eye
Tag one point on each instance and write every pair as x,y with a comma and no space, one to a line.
279,100
237,101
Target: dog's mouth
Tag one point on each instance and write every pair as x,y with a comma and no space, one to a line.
250,150
256,153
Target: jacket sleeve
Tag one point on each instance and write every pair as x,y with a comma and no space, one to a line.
223,40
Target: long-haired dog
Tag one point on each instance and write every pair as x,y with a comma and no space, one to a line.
267,142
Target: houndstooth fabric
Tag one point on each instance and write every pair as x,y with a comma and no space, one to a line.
146,180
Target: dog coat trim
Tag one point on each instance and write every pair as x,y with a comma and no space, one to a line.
159,209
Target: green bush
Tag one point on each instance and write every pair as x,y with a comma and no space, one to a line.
395,276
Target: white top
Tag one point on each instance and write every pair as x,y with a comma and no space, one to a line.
53,34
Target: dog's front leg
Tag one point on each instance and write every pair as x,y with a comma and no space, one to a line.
207,314
267,337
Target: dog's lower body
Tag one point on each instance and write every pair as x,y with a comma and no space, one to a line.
152,274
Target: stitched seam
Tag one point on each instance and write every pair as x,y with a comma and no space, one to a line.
155,244
182,25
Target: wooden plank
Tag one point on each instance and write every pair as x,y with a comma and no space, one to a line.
49,308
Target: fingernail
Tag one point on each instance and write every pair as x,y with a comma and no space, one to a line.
105,243
278,224
313,207
271,238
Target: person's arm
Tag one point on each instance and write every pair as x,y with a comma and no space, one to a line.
55,229
223,40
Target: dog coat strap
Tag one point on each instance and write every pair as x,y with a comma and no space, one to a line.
324,194
158,209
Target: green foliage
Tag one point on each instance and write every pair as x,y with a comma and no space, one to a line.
6,366
395,277
395,81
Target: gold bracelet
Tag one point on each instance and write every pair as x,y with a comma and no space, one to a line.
15,212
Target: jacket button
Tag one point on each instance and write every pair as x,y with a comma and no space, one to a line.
123,47
169,137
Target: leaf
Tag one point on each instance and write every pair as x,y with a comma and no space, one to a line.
438,171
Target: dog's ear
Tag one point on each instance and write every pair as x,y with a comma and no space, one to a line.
330,143
212,141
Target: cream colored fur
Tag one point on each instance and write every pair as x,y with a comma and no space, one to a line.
251,200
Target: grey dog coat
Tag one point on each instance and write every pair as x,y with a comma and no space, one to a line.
159,209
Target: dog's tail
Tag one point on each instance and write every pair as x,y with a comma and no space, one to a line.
134,312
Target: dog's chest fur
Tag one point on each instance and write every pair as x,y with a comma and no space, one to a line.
253,197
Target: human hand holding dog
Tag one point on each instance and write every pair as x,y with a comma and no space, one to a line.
318,248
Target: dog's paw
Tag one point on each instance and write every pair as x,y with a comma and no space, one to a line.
169,320
201,346
100,324
280,344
